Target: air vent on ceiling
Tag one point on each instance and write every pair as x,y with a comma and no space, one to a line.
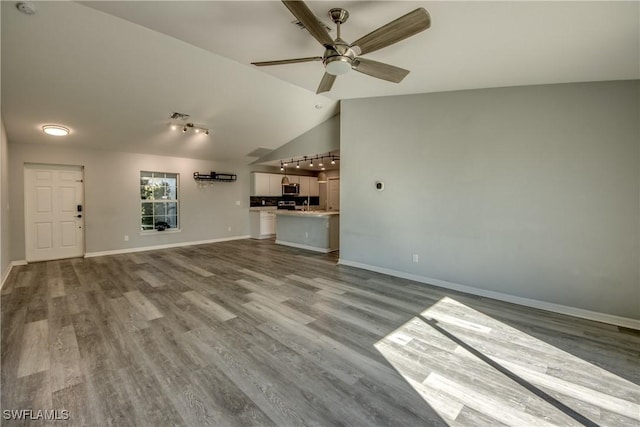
179,116
302,27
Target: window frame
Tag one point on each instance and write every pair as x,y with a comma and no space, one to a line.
153,201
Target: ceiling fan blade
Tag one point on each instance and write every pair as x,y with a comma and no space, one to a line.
406,26
300,10
326,83
379,70
287,61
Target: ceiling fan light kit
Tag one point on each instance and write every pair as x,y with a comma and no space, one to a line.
340,57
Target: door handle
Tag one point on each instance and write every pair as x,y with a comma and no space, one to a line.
79,216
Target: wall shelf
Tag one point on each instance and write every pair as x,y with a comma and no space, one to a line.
215,176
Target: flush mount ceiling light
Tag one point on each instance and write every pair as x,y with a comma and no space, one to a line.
55,130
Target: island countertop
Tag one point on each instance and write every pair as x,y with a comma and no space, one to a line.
308,214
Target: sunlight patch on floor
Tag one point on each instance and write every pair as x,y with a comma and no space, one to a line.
461,360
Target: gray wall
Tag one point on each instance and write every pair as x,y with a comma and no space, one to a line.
5,248
112,197
321,139
528,191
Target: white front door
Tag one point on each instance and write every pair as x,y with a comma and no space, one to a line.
54,218
333,194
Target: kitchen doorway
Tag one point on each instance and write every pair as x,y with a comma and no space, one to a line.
54,217
333,194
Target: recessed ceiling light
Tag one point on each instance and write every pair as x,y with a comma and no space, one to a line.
55,130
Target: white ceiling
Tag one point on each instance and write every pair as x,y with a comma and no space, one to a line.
114,71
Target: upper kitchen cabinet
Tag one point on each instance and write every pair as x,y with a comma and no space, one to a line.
275,185
309,186
266,184
314,187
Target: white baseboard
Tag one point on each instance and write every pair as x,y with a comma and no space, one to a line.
5,276
527,302
166,246
309,248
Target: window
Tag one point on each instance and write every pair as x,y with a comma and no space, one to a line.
159,200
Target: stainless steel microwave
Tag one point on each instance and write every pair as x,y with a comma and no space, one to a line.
292,189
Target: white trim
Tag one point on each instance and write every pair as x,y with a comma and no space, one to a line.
528,302
263,236
156,232
11,265
156,247
309,248
6,275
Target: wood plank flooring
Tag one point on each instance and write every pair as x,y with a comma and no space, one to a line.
254,334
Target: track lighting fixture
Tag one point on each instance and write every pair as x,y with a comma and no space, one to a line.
310,159
190,126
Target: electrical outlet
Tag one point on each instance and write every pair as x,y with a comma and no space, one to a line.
306,234
126,238
237,202
415,258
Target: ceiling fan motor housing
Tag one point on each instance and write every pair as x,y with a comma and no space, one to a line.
338,59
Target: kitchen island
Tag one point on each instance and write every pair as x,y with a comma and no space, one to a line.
313,230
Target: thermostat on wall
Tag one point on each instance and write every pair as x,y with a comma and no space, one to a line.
379,185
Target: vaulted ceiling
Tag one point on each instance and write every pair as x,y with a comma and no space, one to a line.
114,71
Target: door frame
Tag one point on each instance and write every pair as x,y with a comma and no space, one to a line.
336,178
51,166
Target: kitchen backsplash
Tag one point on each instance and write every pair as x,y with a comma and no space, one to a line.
273,201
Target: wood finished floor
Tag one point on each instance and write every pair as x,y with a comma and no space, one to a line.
251,333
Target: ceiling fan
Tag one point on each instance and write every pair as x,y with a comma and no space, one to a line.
340,57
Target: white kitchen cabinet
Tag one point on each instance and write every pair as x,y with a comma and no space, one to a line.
275,185
266,184
309,186
304,186
314,187
270,184
259,184
262,224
